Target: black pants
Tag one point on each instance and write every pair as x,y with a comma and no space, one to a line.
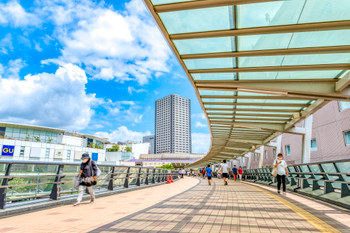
283,180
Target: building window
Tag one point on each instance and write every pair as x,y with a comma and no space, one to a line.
313,145
265,154
21,152
274,152
68,154
347,137
47,153
343,105
287,149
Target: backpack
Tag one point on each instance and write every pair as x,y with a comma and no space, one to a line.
98,172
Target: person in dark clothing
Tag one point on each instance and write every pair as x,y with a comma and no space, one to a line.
234,172
88,176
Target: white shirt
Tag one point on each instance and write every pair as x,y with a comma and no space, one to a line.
281,168
224,167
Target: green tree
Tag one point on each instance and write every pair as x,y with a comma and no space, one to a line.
167,166
128,149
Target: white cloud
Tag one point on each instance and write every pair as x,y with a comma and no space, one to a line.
200,125
114,45
199,116
12,69
6,44
131,90
56,100
200,142
123,134
13,13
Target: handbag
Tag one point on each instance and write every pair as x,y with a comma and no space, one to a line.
274,170
77,181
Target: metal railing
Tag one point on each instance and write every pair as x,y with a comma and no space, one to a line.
315,179
29,180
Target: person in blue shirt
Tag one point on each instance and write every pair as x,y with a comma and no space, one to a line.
209,174
234,171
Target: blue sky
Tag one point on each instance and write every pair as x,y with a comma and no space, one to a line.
90,66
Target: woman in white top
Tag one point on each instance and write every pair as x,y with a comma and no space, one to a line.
225,171
282,172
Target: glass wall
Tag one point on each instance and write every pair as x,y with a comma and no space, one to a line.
30,135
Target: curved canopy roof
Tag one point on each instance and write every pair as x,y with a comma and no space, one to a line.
258,66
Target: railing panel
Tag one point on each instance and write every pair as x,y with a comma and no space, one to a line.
36,180
103,180
28,180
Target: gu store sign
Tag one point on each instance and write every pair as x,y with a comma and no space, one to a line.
7,150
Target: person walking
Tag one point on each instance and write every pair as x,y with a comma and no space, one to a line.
240,173
209,174
234,172
225,171
88,175
282,173
203,173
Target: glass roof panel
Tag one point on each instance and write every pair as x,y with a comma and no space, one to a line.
260,61
216,111
308,59
211,63
322,10
159,2
269,13
205,45
273,101
290,74
294,40
198,20
207,100
218,106
214,76
312,59
261,112
267,107
211,92
292,12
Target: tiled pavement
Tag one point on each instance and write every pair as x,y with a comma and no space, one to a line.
189,206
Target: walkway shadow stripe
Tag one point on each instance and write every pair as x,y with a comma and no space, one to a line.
310,218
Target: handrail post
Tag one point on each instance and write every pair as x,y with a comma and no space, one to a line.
111,181
138,183
126,183
146,180
163,177
55,192
153,176
4,190
158,178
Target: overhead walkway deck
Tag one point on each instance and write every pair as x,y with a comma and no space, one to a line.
189,205
258,67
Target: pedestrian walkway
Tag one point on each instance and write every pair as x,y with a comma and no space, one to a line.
189,205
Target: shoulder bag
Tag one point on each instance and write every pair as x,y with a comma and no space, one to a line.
274,169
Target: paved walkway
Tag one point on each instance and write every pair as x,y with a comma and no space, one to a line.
189,205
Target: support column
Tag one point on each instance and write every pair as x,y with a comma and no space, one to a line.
279,145
4,190
249,160
55,192
306,152
261,159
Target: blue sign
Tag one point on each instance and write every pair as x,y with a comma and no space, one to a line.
7,150
94,156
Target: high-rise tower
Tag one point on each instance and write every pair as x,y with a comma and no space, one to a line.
173,125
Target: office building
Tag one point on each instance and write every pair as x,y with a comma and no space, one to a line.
29,142
173,125
149,139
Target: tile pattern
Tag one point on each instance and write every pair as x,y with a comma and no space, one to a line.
234,208
185,206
